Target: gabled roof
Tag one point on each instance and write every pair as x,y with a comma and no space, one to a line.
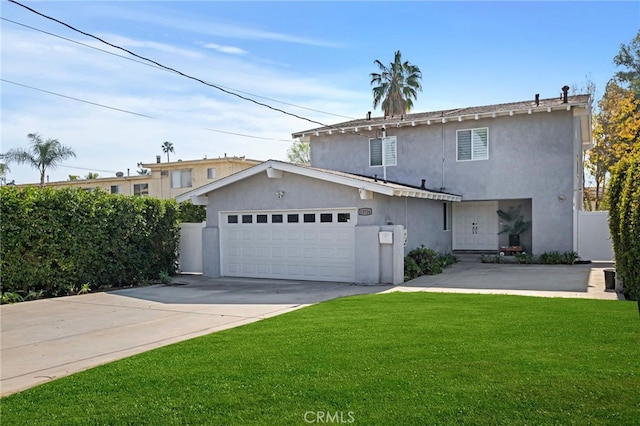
458,114
274,169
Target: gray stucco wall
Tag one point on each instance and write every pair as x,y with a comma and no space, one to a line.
374,262
531,156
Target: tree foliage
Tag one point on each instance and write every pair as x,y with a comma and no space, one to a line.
396,86
628,58
299,153
54,241
41,155
616,133
167,147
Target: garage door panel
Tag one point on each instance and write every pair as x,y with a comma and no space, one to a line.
322,250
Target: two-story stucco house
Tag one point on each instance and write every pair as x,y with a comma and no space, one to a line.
379,187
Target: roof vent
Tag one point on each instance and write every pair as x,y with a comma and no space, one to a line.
423,184
565,94
368,115
158,159
537,99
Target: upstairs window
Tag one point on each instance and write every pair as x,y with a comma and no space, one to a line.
473,144
141,189
181,178
211,173
383,152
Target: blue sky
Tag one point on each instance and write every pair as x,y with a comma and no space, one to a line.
304,57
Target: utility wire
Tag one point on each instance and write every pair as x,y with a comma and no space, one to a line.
163,69
77,99
135,113
169,68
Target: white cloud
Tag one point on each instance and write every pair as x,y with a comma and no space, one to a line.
225,49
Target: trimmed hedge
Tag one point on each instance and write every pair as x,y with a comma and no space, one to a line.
57,241
624,223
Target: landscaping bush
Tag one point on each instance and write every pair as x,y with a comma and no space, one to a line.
425,261
190,213
56,242
624,223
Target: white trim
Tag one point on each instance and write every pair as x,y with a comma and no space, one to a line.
340,179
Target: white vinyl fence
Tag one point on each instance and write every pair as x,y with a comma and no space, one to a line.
190,250
594,239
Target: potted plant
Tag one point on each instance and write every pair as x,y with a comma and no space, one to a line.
513,224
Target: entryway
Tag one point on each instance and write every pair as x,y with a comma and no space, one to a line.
475,225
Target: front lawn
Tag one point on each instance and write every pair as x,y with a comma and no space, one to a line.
394,359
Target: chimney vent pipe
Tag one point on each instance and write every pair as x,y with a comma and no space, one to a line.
158,159
368,115
537,99
565,94
423,184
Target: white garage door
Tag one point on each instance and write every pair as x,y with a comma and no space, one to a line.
316,245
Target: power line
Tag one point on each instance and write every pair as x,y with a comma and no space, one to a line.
163,69
169,68
136,113
77,99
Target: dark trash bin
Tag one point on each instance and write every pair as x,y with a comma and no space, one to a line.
609,279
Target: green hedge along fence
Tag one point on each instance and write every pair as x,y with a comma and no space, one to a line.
623,197
59,242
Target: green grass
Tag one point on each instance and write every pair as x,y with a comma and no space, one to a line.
395,359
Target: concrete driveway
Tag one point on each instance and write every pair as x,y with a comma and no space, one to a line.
46,339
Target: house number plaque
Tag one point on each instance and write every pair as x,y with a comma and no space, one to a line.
365,211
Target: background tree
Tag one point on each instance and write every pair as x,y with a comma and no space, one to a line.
41,155
74,177
615,134
396,86
143,172
299,153
167,147
4,169
629,59
91,175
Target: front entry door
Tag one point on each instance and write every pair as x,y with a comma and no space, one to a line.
475,226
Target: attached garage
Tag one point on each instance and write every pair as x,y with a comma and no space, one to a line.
279,220
317,245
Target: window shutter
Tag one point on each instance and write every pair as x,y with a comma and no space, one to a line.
375,152
186,179
464,145
175,179
480,144
390,155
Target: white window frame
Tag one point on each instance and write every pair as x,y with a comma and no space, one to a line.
182,178
388,145
211,173
118,189
473,140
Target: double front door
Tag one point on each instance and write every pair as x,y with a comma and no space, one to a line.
475,225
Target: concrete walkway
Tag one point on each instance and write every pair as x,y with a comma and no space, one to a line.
575,281
51,338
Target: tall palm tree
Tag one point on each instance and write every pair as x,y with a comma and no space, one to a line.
396,86
41,155
167,147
